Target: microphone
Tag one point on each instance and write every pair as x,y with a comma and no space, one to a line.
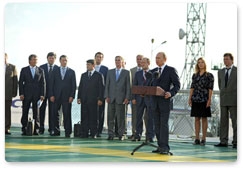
163,42
156,75
152,40
148,75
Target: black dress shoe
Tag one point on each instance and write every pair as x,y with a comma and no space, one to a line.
197,142
110,138
156,151
53,133
83,136
67,135
221,145
136,139
131,137
35,133
166,153
94,137
150,140
234,146
41,131
7,133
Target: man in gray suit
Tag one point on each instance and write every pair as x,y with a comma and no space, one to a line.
227,81
134,111
11,86
117,94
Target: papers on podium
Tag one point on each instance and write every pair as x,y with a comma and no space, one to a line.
39,103
148,90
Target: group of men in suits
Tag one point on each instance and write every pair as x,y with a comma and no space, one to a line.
51,83
56,85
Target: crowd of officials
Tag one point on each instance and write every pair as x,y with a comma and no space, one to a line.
55,86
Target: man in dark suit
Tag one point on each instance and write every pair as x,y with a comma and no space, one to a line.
48,68
143,104
103,70
32,87
117,94
227,81
170,83
90,96
11,86
62,92
133,106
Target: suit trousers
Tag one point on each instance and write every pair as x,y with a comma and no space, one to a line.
134,118
226,112
101,116
116,111
144,112
8,114
161,112
43,113
89,118
67,119
25,112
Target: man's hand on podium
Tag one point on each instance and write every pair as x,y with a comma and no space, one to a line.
167,95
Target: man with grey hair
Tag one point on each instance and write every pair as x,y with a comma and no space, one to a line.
133,106
117,94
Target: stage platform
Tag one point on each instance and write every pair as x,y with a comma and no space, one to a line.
45,148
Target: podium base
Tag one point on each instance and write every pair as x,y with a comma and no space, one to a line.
149,144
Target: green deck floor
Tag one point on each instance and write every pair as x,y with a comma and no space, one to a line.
47,148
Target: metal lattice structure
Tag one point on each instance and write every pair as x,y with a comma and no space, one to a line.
195,40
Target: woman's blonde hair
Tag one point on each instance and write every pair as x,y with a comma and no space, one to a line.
197,67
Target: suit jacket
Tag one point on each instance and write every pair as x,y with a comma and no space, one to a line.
139,81
47,76
91,90
228,95
63,89
11,82
133,72
118,90
32,87
103,70
168,80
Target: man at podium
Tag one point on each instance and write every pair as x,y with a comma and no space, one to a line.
168,81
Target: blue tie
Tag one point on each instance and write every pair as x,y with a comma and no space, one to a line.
63,72
117,74
33,72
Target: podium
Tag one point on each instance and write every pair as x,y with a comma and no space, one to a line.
148,90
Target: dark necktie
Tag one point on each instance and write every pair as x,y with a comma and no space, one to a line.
144,76
227,76
89,75
159,70
50,69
